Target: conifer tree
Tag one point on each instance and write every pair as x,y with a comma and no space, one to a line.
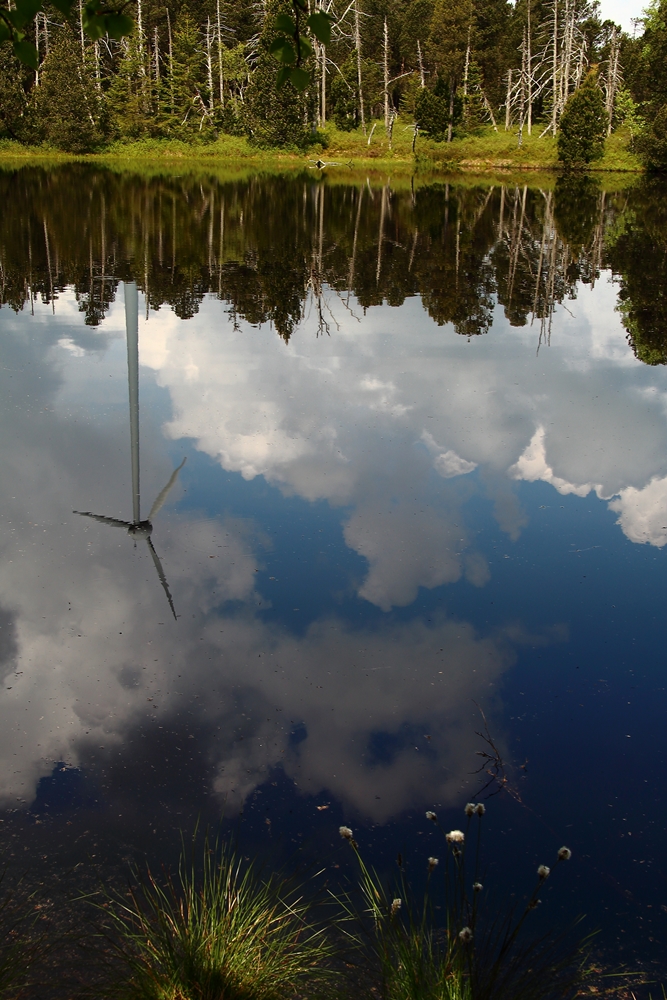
431,114
185,97
583,125
276,117
129,102
67,105
473,104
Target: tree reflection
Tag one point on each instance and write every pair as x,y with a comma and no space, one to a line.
276,248
637,254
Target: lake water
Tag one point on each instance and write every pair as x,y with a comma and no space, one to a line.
424,428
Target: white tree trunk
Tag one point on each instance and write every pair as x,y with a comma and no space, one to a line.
221,81
529,61
323,90
81,35
421,65
37,17
508,101
385,69
357,45
209,62
554,70
171,62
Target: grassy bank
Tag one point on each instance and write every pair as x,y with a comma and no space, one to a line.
484,152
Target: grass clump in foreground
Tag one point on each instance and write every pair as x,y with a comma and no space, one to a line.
220,933
476,955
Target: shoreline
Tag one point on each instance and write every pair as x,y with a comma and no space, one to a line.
484,153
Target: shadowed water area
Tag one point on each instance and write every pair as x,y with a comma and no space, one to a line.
302,475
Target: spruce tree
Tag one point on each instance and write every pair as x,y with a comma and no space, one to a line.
129,97
185,98
583,125
67,106
473,104
431,114
276,117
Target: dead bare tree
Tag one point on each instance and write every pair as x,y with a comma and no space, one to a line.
612,77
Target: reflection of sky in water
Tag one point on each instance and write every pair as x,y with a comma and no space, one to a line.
372,533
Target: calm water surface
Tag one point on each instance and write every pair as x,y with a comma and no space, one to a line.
424,430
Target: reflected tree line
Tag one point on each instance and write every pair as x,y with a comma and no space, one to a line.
278,248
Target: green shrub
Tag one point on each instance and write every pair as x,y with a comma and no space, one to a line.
344,104
431,114
583,125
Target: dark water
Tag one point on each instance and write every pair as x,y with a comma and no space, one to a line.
425,433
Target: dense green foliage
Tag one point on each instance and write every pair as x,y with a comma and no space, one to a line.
195,71
583,125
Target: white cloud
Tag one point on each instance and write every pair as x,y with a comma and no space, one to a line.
532,465
447,463
642,512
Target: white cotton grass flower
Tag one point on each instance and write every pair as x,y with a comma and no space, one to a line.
455,837
432,816
465,935
395,906
345,832
477,887
564,854
480,808
433,863
543,871
470,809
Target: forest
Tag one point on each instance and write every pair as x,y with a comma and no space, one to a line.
197,71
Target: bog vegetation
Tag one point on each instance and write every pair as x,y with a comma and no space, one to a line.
220,929
440,68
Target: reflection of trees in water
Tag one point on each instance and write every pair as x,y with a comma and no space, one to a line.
637,253
279,248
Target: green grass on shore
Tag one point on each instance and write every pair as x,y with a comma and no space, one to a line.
485,152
